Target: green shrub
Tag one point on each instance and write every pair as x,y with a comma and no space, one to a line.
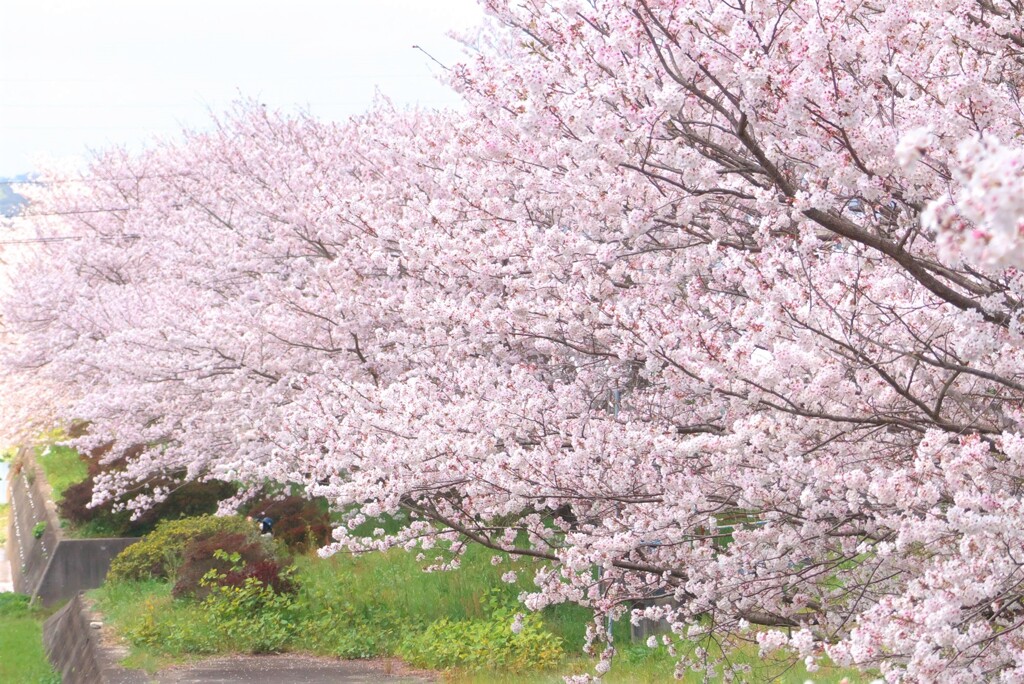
347,630
253,616
487,644
39,529
249,618
160,553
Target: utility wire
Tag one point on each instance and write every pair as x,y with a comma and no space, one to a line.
71,213
66,181
31,241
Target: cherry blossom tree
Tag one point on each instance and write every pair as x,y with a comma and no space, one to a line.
714,301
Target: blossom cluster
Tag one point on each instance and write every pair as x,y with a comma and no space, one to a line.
711,305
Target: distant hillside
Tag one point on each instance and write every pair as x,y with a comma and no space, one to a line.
11,202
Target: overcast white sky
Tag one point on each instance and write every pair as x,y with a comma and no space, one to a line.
84,74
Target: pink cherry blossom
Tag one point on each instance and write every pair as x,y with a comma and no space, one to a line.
715,305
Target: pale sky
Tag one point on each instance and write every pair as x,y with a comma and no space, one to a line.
85,74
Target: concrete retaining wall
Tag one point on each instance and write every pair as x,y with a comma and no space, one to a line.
28,555
77,565
73,639
50,568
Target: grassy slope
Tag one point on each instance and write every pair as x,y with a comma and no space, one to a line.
63,467
366,606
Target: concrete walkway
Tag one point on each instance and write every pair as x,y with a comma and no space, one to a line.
285,669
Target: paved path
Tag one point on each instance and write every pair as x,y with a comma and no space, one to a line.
285,669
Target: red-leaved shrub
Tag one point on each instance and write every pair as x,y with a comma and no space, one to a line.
200,558
269,573
299,523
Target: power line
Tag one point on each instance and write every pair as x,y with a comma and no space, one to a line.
31,241
66,181
70,213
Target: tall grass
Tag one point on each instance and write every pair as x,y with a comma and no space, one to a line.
395,581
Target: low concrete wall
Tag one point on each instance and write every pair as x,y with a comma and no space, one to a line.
73,639
51,568
77,565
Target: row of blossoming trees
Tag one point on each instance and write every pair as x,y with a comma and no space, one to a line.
719,298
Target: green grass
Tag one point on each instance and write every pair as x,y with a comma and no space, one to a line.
122,603
100,528
376,604
63,467
21,643
395,581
